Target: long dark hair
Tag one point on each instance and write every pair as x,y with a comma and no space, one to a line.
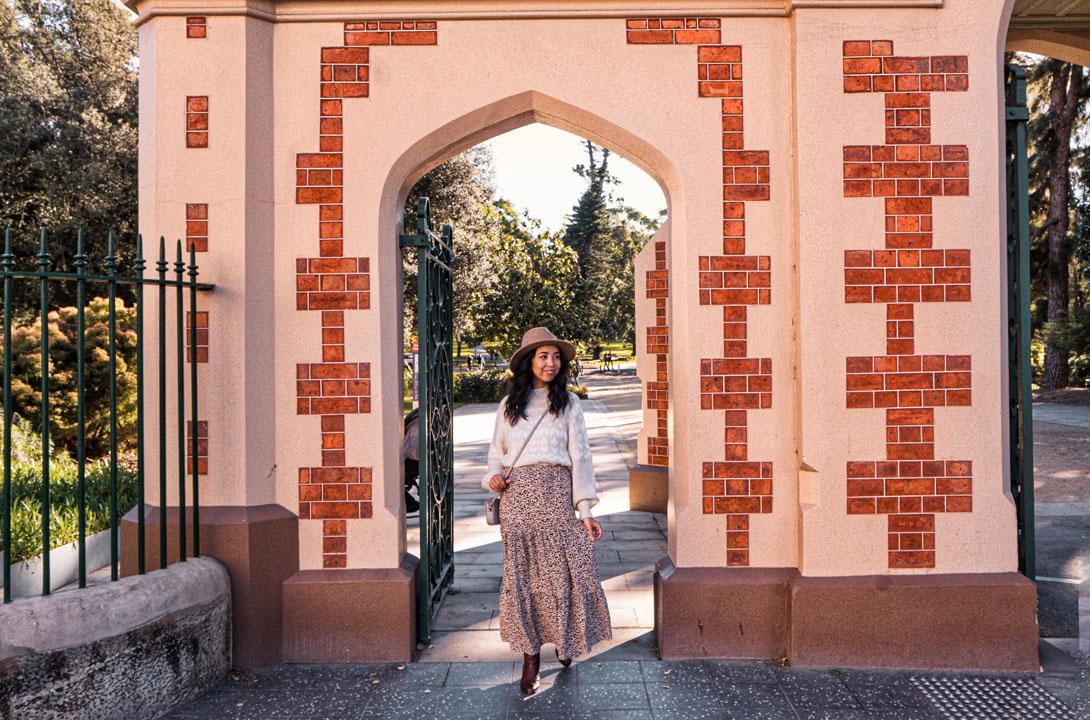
519,387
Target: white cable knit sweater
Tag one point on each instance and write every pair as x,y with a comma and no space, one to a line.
557,441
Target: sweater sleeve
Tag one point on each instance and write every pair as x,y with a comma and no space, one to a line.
498,448
584,489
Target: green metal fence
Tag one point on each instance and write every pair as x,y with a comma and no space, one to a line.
132,281
1019,367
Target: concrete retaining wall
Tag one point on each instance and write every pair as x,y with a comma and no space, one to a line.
26,576
127,649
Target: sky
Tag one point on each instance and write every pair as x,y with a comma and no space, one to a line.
533,166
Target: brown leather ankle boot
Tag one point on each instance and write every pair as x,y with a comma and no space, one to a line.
565,663
530,666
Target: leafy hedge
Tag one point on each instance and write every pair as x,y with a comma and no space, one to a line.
26,478
490,385
482,386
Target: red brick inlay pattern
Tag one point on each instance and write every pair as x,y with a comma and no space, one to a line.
737,486
672,31
196,26
658,344
735,383
202,447
196,227
664,31
910,485
202,336
391,32
333,284
335,543
196,121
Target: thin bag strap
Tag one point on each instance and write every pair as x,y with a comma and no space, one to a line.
524,444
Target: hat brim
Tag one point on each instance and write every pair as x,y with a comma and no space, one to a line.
566,349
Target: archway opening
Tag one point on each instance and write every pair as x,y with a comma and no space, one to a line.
514,243
1052,46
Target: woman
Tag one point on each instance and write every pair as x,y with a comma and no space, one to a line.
550,592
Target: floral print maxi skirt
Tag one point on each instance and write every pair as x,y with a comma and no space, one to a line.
550,591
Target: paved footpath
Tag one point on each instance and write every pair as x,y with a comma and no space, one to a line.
467,672
1061,470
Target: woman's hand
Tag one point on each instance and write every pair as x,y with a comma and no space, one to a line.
594,528
497,484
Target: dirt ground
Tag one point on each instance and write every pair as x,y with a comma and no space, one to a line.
1061,463
1065,396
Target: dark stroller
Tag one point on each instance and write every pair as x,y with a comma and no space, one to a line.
412,465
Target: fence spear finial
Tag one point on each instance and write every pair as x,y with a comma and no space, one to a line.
111,253
7,260
81,254
43,251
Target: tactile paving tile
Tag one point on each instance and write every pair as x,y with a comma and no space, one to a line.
988,698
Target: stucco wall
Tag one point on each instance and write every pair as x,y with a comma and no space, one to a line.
612,82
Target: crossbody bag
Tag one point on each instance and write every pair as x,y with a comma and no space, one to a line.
492,504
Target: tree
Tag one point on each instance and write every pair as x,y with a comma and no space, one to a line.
1059,93
68,119
629,232
460,192
535,279
588,234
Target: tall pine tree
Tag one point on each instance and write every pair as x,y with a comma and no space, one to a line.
589,234
1058,108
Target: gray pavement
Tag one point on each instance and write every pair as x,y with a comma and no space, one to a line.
467,672
1062,521
638,690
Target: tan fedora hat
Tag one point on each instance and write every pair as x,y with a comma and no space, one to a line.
535,338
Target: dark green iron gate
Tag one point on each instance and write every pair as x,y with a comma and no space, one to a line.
1020,372
435,327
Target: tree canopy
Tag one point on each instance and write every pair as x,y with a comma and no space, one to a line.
511,274
68,119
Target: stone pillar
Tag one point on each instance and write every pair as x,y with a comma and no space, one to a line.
206,177
649,480
902,353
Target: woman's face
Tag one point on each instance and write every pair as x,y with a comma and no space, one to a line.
546,364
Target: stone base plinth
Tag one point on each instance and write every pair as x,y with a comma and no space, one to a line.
722,612
648,488
334,616
963,621
259,545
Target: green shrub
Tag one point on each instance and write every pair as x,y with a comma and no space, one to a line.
489,386
27,375
483,386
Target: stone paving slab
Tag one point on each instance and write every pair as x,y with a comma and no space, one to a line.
638,689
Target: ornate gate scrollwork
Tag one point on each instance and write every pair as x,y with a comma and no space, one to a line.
435,322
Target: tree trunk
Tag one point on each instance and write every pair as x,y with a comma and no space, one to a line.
1064,95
